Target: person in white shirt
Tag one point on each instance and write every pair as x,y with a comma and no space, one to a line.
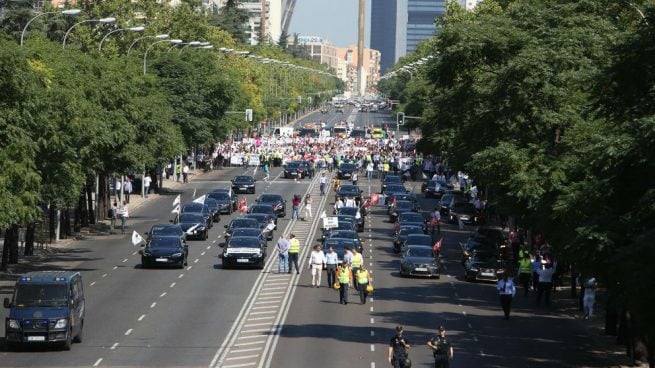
506,291
316,262
545,284
323,183
308,206
350,202
338,205
332,261
589,297
125,214
146,185
269,227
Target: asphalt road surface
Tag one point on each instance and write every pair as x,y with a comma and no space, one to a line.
204,316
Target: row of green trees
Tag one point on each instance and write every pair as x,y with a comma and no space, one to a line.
73,117
550,105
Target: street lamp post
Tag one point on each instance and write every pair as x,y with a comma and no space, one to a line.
65,12
101,20
161,37
133,29
145,55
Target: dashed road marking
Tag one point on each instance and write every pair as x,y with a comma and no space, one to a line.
134,253
141,317
173,285
125,260
464,312
97,363
128,332
162,294
154,304
181,275
113,346
115,267
104,275
93,283
195,260
203,253
372,347
371,309
208,247
188,268
246,350
372,320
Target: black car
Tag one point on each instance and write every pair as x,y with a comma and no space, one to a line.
164,251
354,212
422,240
347,190
410,218
201,209
194,225
346,170
214,209
346,234
325,110
338,244
292,168
434,188
464,212
419,261
164,230
399,208
401,235
392,190
447,201
240,223
249,233
227,201
244,251
243,184
483,266
342,224
391,180
358,133
276,201
264,209
262,220
406,197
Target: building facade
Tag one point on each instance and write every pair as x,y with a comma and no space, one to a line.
319,50
273,17
420,21
371,72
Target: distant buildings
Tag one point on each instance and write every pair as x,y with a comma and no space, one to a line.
343,61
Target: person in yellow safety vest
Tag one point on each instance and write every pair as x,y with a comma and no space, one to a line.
385,169
525,272
363,279
343,276
294,249
357,262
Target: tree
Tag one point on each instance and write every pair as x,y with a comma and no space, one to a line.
232,19
283,42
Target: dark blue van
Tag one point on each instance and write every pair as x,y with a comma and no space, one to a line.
47,308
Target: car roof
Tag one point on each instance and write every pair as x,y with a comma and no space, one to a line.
241,177
47,277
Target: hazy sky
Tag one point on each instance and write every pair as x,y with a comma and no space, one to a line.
334,20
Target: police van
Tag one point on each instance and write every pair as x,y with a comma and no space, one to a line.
47,307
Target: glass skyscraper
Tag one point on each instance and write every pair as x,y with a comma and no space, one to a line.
420,20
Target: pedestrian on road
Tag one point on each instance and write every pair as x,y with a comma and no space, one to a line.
308,206
117,188
363,280
331,261
506,290
282,248
127,189
369,170
344,276
266,171
323,183
545,283
113,215
354,178
356,263
435,221
589,297
442,349
316,263
295,206
185,173
125,214
525,271
147,180
397,353
294,249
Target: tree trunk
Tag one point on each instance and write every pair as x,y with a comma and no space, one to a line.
52,221
90,189
13,243
104,197
574,281
29,239
65,224
5,254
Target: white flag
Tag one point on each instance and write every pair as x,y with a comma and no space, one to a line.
194,193
136,238
200,199
176,209
176,201
323,215
190,230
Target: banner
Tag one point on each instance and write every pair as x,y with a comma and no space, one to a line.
177,209
200,199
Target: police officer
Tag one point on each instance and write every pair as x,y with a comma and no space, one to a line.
343,276
442,349
397,355
362,280
356,264
294,249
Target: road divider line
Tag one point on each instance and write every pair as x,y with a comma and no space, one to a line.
141,317
181,275
125,260
195,260
172,285
154,304
113,346
203,253
104,275
97,363
115,267
93,283
162,294
128,332
372,347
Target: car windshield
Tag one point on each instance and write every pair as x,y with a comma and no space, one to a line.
344,234
349,167
350,189
245,232
419,252
293,165
485,259
269,198
243,243
168,242
339,130
220,196
166,230
411,217
261,209
404,204
464,207
243,179
193,207
191,217
244,223
419,240
357,133
50,295
392,179
395,189
410,230
350,211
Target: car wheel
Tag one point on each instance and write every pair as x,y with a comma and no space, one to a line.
206,235
284,214
402,274
144,264
79,336
261,265
226,265
69,341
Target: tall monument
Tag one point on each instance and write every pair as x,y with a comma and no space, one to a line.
361,81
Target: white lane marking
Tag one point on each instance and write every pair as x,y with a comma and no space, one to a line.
470,325
195,260
250,343
370,264
475,338
272,293
181,275
162,294
251,337
104,275
242,357
371,298
482,353
113,346
256,330
274,288
274,301
372,320
125,260
153,305
459,304
264,312
372,347
115,267
256,324
141,318
372,364
208,247
128,332
214,242
97,363
269,297
265,307
372,333
259,318
464,312
245,350
188,268
203,253
173,285
93,283
371,309
134,253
